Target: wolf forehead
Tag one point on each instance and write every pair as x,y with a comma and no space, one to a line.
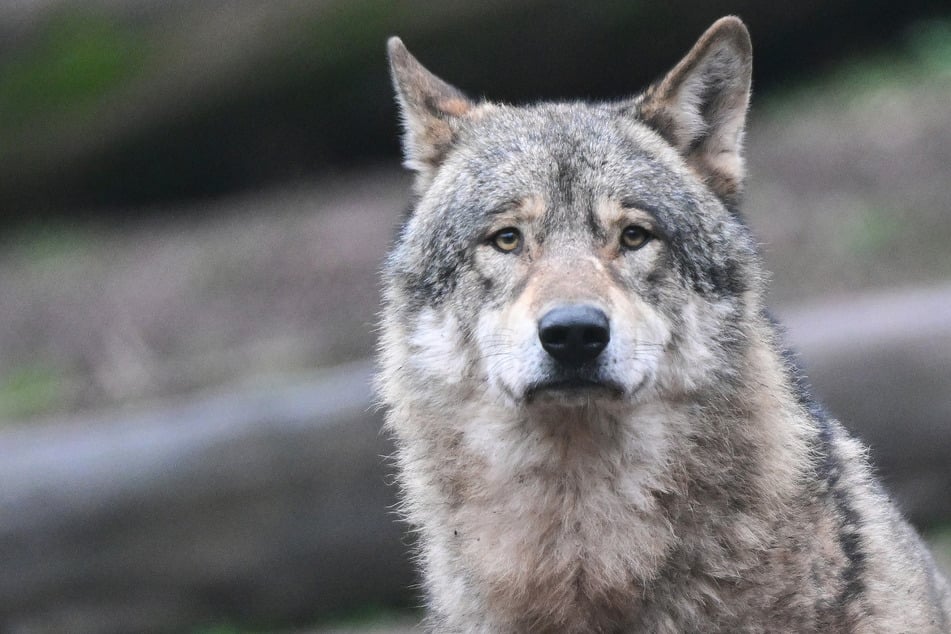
568,159
568,154
674,152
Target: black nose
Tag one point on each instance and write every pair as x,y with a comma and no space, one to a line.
574,335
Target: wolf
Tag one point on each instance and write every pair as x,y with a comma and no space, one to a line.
597,425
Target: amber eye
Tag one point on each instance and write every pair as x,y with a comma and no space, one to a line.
634,237
508,240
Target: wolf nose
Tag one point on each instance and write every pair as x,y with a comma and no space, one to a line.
574,335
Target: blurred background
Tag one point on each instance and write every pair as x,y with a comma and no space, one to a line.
195,198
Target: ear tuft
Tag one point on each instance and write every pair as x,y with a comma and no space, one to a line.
700,106
431,110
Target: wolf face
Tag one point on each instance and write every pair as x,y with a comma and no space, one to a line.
565,253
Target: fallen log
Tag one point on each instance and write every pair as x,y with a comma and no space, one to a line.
258,507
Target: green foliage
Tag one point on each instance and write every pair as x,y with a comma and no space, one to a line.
50,243
922,55
76,59
930,44
364,616
30,389
874,231
939,538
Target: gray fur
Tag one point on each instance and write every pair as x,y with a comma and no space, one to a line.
696,487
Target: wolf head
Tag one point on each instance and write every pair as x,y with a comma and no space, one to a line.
569,253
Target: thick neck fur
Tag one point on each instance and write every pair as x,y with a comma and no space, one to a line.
546,518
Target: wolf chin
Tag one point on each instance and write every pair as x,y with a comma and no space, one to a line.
597,427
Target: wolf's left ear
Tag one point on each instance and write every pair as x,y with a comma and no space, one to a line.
700,106
432,111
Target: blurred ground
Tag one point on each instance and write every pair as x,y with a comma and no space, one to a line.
276,282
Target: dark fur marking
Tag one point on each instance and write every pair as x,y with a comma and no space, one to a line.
520,285
850,539
503,208
659,230
598,231
659,120
565,179
829,471
729,278
795,374
652,290
434,285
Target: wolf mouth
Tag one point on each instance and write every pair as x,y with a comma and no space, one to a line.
573,387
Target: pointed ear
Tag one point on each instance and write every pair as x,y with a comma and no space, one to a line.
431,110
700,106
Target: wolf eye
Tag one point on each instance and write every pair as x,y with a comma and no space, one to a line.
634,237
508,240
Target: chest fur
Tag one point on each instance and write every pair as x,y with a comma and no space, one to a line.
557,524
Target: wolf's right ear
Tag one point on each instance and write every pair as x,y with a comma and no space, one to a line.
431,109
